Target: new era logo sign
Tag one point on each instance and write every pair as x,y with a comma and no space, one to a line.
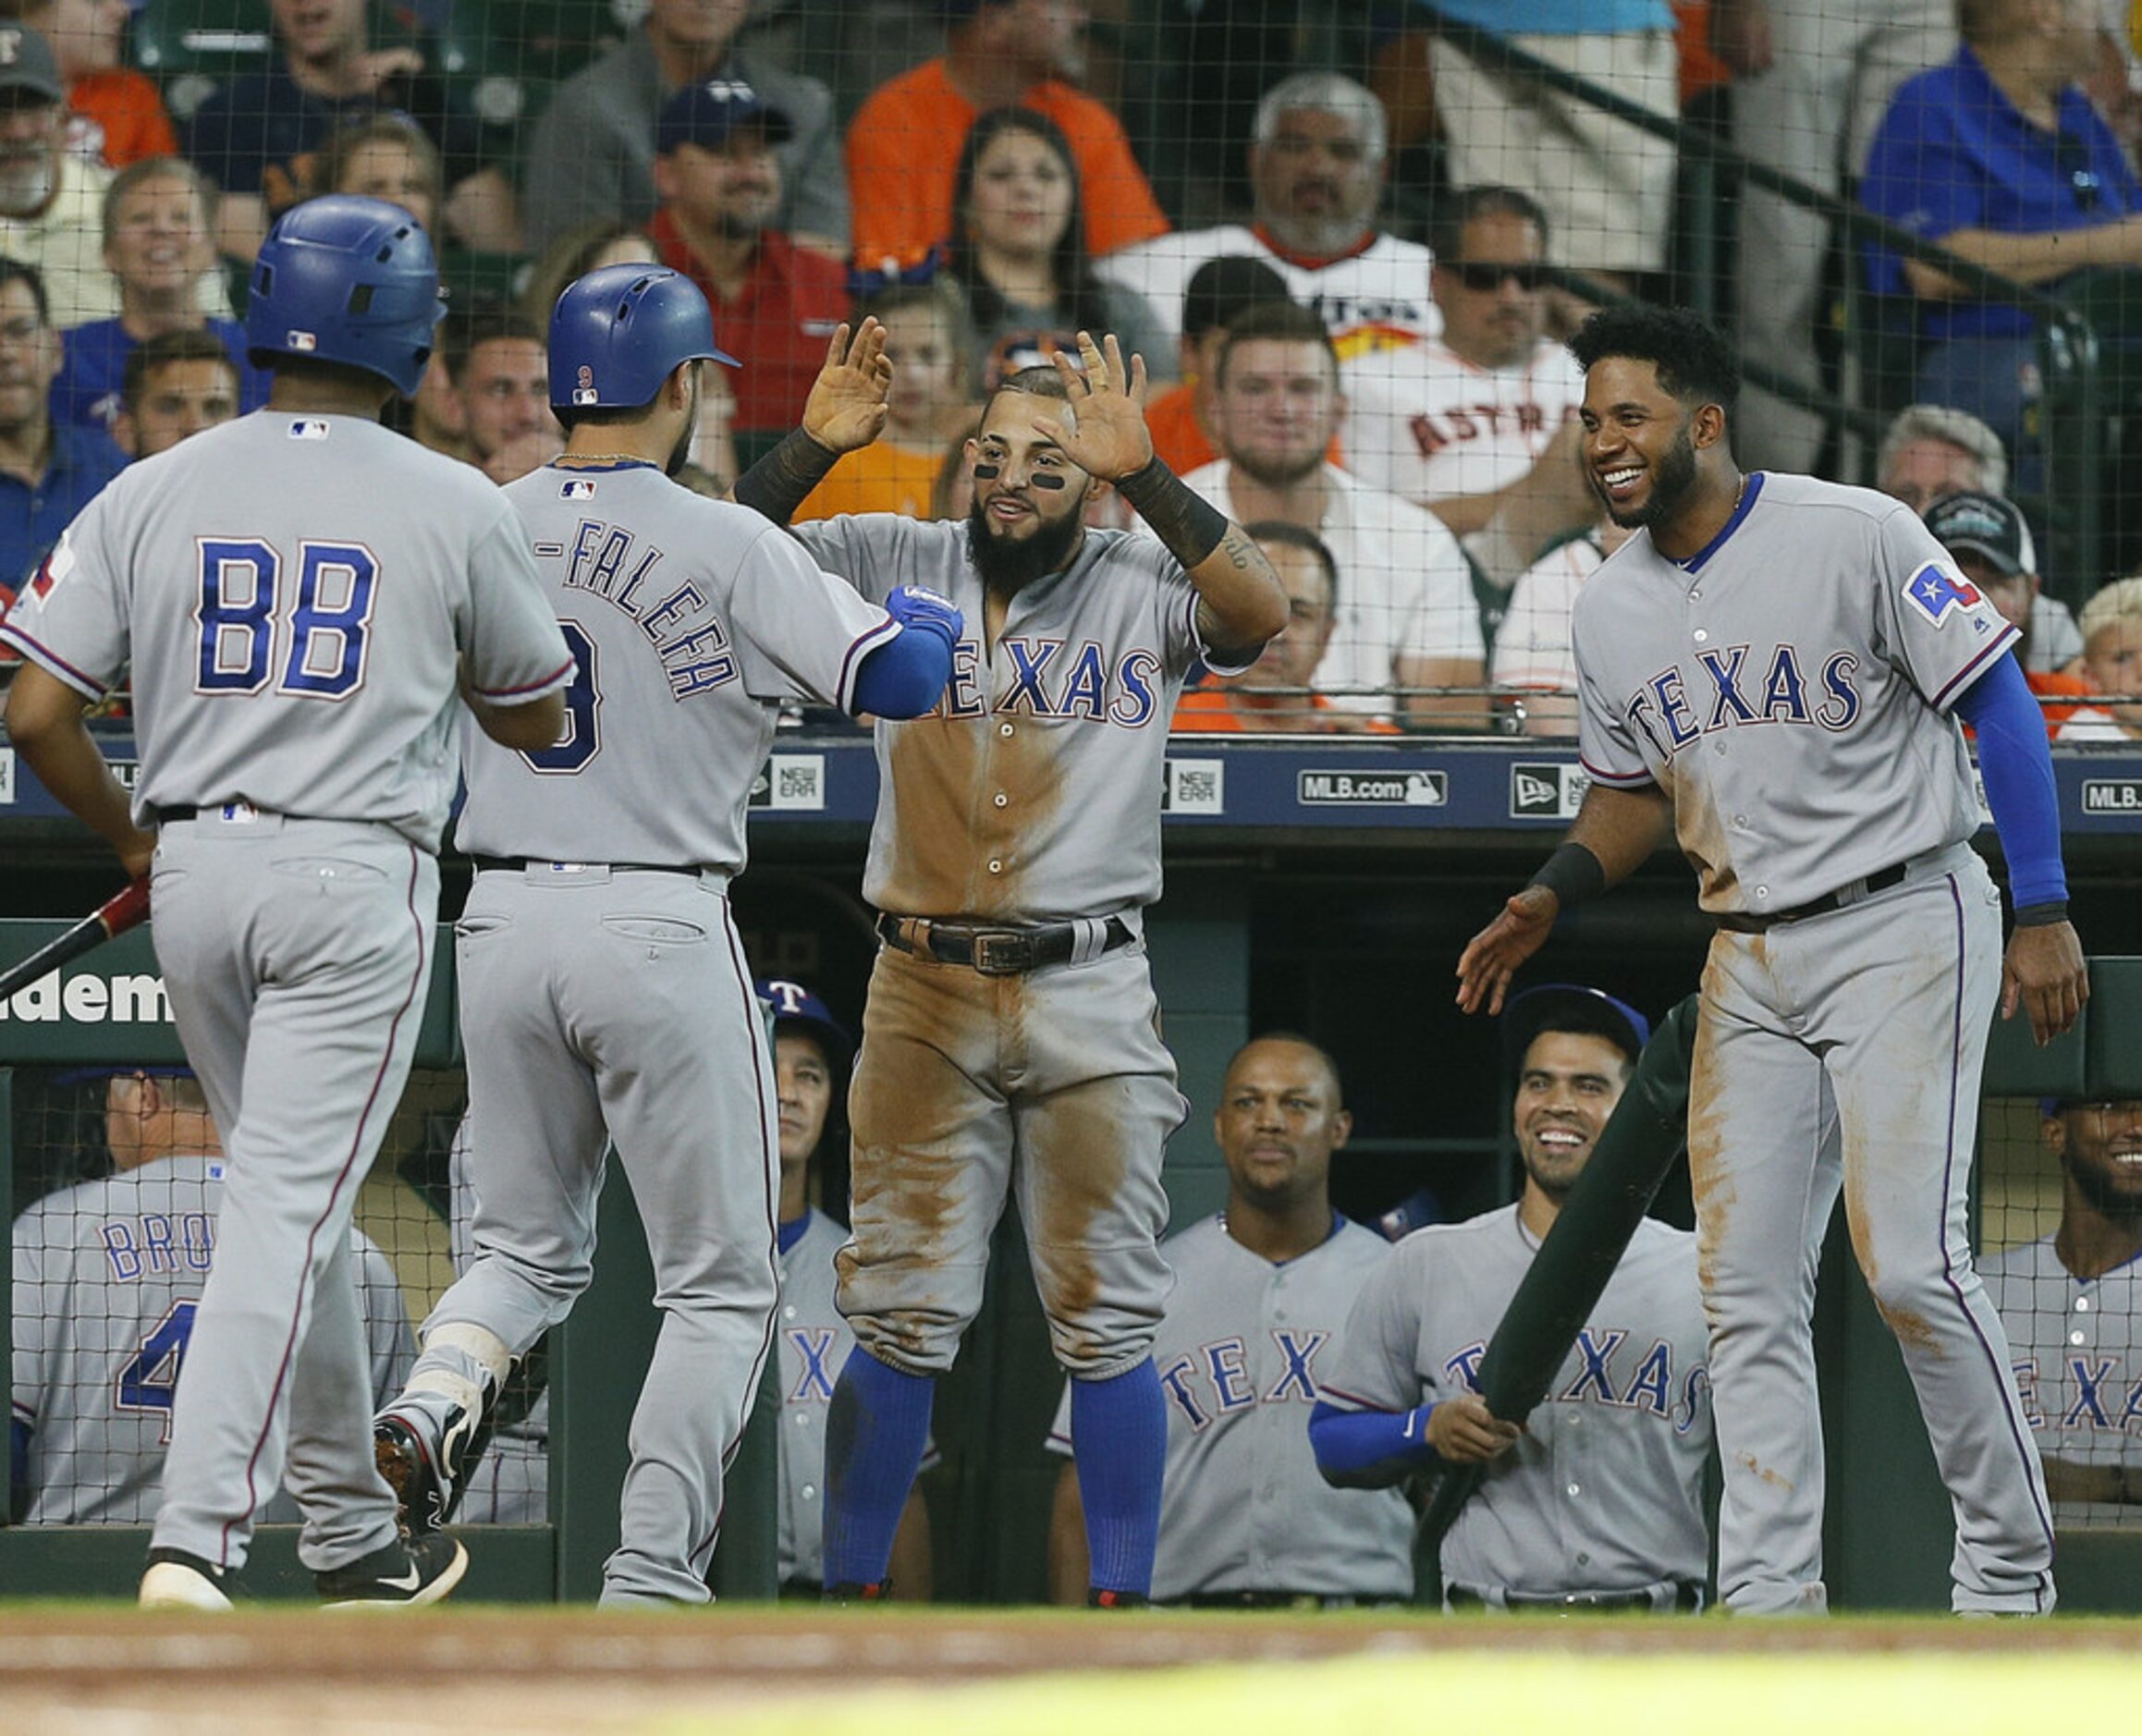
1545,792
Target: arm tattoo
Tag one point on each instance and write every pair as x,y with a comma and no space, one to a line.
1190,528
776,484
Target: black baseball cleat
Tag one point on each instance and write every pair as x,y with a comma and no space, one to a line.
422,1571
178,1580
426,1485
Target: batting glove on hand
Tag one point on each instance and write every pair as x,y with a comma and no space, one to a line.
913,605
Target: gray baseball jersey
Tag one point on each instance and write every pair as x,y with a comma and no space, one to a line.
2074,1343
301,597
687,618
1242,1506
107,1278
1031,792
1604,1491
1788,688
253,564
604,1003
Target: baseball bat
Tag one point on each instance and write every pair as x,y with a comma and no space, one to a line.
1579,1255
118,913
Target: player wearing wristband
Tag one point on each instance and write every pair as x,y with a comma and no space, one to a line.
1770,666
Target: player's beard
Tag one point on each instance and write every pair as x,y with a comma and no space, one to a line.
1279,472
2107,1194
1009,567
1672,478
680,454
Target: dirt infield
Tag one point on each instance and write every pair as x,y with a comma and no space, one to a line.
101,1670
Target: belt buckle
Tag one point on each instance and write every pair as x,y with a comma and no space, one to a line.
998,952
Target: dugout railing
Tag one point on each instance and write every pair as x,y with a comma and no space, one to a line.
1888,1518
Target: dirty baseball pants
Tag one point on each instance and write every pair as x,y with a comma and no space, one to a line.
296,954
1843,1052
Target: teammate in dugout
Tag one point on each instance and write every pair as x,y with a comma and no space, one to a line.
812,1055
604,994
1261,1288
1597,1501
1769,666
1009,1041
303,595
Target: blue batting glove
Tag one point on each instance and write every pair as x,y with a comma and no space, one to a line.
913,605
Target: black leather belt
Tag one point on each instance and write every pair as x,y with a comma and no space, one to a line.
994,952
166,815
1278,1600
1750,922
515,864
1685,1596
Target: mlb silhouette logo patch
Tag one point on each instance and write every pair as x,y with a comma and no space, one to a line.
308,428
1934,592
301,342
578,488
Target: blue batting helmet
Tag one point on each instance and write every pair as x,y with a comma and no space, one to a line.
347,279
621,331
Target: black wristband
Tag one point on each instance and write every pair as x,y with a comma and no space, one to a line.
2046,916
1191,526
776,484
1572,873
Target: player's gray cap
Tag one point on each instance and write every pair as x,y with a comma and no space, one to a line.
26,64
1988,526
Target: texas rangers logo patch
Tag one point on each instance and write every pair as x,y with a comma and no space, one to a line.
1935,591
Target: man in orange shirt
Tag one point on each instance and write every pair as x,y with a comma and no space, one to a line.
903,145
1270,694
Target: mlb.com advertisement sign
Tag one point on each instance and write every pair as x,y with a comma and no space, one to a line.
109,1005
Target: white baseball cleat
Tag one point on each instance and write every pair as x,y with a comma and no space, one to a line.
178,1580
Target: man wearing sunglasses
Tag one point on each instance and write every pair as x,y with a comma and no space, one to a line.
1460,423
2068,1304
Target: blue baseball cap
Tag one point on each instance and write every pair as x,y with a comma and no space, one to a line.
795,1005
1618,1021
92,1075
706,114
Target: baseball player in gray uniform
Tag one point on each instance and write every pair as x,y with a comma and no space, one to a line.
1597,1501
1261,1290
603,989
2069,1302
812,1057
296,650
1769,667
1009,1041
107,1279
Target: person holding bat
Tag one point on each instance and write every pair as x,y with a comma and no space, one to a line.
1595,1501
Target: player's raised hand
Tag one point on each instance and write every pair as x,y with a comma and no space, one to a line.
1464,1431
1492,957
845,409
1105,431
2045,974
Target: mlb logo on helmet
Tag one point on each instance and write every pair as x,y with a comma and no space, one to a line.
11,47
301,341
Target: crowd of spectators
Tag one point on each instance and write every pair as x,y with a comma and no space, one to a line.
1416,419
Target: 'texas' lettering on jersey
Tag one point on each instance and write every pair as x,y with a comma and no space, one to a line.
1653,1386
2092,1392
607,561
1051,677
1214,1380
1735,685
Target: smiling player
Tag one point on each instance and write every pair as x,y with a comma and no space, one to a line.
1769,667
